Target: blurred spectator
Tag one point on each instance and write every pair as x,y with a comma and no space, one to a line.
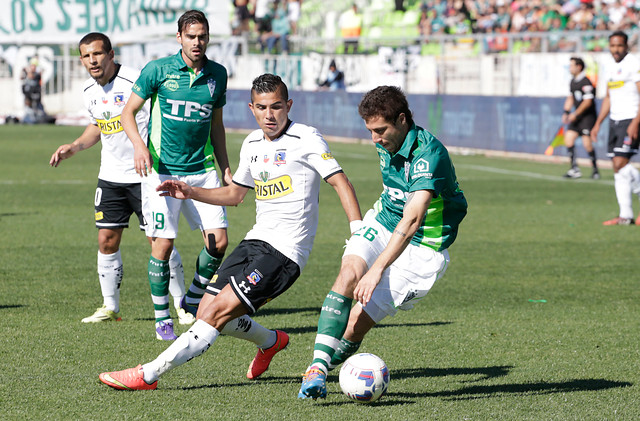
334,80
350,24
241,17
261,16
279,29
293,9
32,90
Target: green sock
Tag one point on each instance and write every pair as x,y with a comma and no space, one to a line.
206,267
159,276
332,324
345,349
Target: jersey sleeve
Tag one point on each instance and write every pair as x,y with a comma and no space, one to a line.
429,170
222,98
242,176
147,82
86,97
319,156
588,91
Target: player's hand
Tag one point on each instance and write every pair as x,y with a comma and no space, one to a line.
143,162
363,291
63,152
632,130
594,133
174,188
227,179
565,119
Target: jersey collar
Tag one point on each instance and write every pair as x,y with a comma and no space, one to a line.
183,66
409,140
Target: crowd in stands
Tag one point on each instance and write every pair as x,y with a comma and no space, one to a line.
271,22
482,16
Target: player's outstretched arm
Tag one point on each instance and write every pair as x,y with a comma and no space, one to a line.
414,211
347,195
230,195
87,139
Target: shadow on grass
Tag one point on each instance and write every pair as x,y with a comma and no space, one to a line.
483,372
7,306
536,388
485,392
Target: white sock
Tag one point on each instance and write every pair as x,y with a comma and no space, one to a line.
188,345
633,175
110,276
622,184
244,327
176,282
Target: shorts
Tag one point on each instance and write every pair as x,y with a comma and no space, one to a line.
407,280
257,272
115,202
619,142
163,213
583,125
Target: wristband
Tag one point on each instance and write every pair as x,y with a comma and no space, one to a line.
355,225
566,112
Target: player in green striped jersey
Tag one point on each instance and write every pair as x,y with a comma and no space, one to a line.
394,258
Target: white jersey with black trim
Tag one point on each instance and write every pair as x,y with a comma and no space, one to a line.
621,82
286,175
105,104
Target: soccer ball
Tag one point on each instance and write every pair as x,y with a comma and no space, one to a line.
364,377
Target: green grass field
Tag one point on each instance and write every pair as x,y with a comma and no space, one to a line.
476,347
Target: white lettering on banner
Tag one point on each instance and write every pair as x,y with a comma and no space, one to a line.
64,21
530,126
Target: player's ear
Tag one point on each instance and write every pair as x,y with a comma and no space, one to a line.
289,104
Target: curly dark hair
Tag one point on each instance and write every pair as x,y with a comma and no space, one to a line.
387,102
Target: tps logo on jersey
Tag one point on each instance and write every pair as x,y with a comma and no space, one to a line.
212,86
109,126
280,158
394,194
254,277
118,99
273,189
189,111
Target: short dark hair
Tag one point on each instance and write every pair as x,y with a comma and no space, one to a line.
96,36
578,61
268,83
620,34
191,17
387,102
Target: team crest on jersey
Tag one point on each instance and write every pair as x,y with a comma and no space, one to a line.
118,99
280,158
254,277
212,86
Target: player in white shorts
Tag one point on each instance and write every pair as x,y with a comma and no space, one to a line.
394,258
118,192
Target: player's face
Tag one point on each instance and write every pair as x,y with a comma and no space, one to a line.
271,111
574,69
193,39
618,48
98,62
389,135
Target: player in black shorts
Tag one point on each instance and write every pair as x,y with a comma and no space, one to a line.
582,119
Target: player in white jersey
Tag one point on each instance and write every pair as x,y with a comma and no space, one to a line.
284,162
621,103
118,191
